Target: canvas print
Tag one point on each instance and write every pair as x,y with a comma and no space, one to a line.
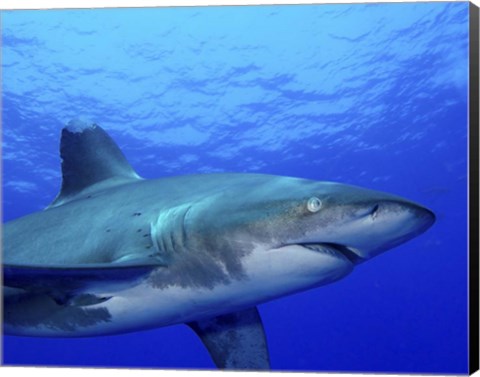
273,187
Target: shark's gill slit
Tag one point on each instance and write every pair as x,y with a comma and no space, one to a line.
184,227
154,237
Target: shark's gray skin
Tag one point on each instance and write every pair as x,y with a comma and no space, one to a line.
116,253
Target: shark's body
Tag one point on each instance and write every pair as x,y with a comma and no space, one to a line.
115,253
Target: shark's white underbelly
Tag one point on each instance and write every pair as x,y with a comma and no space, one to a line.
144,306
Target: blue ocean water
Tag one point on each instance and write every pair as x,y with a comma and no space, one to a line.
372,95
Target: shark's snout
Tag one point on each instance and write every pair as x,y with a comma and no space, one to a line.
425,217
408,219
390,209
361,224
379,226
410,216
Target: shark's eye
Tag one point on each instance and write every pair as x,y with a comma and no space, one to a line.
314,204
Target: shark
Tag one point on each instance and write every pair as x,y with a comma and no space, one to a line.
116,253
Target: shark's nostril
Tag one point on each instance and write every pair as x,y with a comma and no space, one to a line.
374,211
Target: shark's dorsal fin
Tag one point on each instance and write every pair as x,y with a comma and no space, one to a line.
90,159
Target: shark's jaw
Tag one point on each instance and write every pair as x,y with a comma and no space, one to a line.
339,250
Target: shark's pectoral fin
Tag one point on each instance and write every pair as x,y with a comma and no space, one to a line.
235,340
80,285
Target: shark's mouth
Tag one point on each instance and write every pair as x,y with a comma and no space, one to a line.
335,249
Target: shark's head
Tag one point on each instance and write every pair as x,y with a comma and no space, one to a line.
355,222
287,234
281,212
